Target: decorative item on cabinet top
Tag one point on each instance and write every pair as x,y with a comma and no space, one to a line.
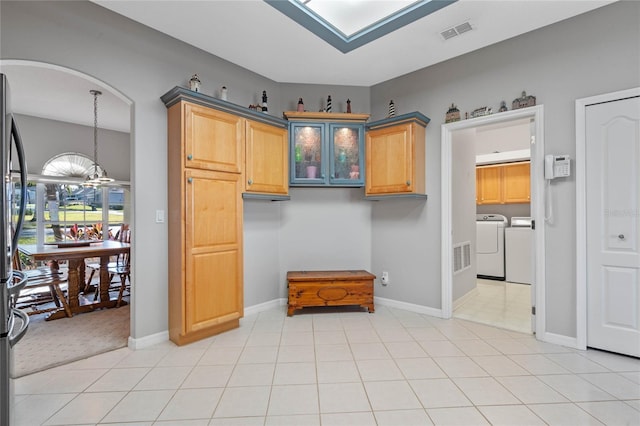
326,149
179,94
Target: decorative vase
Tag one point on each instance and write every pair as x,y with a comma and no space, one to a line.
311,172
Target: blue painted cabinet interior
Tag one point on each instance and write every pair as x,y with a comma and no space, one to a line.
326,153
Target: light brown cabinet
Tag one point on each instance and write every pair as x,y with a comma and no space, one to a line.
267,169
395,156
212,147
503,183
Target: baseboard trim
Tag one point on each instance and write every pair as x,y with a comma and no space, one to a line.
411,307
462,299
146,341
261,307
558,339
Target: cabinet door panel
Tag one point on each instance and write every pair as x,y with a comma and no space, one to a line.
213,139
489,185
346,143
517,183
267,159
389,166
308,153
213,297
213,245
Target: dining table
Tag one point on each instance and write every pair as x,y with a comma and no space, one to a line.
75,254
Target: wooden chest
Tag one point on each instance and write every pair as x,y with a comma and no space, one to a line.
330,288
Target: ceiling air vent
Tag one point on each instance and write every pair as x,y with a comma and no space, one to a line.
456,30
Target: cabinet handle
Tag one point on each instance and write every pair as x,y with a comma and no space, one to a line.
621,236
189,157
190,179
250,182
408,183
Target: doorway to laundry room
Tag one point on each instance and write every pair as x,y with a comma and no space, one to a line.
491,222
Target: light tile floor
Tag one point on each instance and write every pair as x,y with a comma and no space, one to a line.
500,303
335,367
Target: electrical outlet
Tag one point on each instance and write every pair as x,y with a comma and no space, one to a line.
384,279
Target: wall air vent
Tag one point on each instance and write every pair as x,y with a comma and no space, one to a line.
456,30
461,257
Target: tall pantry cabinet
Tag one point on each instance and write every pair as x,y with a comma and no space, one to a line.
207,147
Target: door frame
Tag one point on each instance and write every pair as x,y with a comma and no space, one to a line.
581,204
535,113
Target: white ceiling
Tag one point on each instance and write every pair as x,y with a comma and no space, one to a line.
256,36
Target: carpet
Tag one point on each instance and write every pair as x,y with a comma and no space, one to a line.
48,344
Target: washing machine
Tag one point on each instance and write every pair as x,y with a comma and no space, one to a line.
490,246
518,250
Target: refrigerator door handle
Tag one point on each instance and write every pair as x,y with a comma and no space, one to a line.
23,182
22,331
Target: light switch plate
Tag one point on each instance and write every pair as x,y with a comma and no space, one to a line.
159,216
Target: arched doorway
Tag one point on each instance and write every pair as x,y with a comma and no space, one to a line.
54,109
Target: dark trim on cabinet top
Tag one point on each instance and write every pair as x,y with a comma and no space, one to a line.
178,94
416,116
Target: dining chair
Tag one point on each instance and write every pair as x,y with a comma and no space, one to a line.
34,293
119,266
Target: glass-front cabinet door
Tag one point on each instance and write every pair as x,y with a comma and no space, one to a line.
346,141
308,153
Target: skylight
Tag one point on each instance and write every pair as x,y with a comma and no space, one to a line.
349,24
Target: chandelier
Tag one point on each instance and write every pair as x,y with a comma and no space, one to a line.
95,180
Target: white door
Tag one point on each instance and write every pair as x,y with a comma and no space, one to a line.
613,231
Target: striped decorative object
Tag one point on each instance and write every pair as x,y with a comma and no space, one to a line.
329,103
392,109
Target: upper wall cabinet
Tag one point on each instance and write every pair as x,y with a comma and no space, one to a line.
235,139
503,183
395,157
326,149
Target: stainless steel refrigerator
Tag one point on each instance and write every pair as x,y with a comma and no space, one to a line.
13,323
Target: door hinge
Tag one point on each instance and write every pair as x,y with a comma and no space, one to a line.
533,310
533,224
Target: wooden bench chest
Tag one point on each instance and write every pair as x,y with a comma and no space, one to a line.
330,288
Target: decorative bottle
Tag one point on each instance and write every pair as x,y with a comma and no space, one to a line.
300,105
264,101
348,106
223,93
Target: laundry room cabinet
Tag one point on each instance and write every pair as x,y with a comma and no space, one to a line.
503,183
214,149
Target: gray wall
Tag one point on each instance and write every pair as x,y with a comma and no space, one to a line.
463,205
576,58
46,138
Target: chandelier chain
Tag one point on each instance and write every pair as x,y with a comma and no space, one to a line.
95,130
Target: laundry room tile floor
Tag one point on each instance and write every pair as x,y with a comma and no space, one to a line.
499,303
339,366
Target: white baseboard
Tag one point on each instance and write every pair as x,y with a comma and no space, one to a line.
261,307
408,307
558,339
146,341
462,299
